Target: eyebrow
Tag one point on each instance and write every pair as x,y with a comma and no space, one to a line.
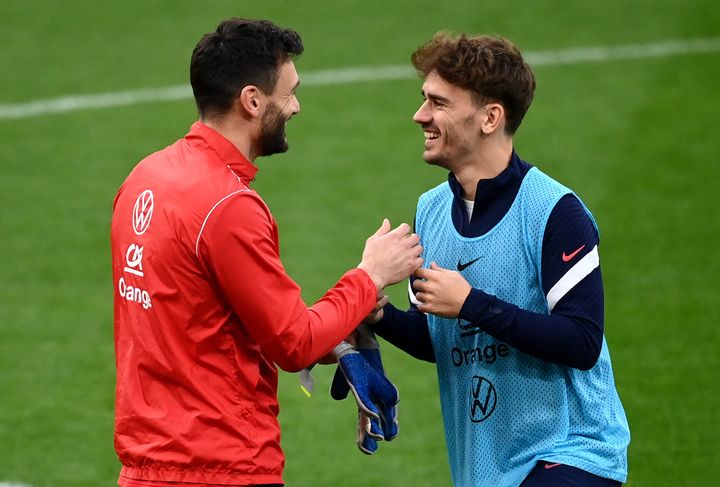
439,98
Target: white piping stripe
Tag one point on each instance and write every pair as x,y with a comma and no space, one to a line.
356,74
197,242
577,273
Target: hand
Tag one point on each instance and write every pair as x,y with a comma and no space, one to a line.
377,313
441,292
390,256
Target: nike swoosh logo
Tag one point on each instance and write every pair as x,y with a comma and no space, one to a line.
461,267
568,258
548,466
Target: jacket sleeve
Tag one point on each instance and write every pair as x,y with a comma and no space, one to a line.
238,245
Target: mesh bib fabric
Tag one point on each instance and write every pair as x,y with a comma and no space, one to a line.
504,410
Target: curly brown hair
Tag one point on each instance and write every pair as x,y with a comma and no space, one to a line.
490,68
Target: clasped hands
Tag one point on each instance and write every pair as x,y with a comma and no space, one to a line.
360,370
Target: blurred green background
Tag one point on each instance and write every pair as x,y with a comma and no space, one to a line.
635,138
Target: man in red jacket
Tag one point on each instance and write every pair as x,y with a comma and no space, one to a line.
204,310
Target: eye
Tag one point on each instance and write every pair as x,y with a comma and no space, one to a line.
438,104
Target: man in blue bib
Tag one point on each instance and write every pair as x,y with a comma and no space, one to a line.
509,304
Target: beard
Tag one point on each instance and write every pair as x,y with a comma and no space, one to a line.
272,132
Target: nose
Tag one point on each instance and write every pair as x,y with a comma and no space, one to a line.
423,114
295,105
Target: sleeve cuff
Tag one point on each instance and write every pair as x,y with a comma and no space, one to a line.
475,305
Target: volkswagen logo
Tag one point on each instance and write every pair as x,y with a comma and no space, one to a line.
142,212
483,399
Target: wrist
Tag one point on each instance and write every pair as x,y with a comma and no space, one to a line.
374,317
379,284
475,305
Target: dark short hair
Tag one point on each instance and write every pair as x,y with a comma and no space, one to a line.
490,68
240,52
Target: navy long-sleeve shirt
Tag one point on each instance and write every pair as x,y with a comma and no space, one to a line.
571,334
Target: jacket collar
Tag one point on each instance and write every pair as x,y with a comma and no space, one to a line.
225,150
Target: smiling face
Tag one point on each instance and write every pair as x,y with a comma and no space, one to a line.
451,122
282,105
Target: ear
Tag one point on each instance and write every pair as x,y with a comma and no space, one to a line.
248,101
494,118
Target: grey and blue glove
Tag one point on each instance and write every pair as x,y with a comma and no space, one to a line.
361,371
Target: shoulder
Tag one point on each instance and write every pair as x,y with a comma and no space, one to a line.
432,203
442,190
240,215
569,236
538,183
570,215
242,207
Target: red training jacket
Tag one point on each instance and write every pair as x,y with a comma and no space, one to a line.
203,312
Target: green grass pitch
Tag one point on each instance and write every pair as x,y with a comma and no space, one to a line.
635,138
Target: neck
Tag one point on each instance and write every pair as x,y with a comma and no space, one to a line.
236,130
486,164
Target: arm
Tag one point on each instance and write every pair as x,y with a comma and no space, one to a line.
571,335
407,330
239,247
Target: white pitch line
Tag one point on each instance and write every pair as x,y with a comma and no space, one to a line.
358,74
615,53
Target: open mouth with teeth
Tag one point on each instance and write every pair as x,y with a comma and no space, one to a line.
430,134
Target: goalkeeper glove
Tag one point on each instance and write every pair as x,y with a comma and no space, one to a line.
362,372
366,442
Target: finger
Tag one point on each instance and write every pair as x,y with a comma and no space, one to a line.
381,303
420,285
423,273
384,228
412,240
402,229
435,267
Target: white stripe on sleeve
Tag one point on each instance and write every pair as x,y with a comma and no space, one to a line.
577,273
